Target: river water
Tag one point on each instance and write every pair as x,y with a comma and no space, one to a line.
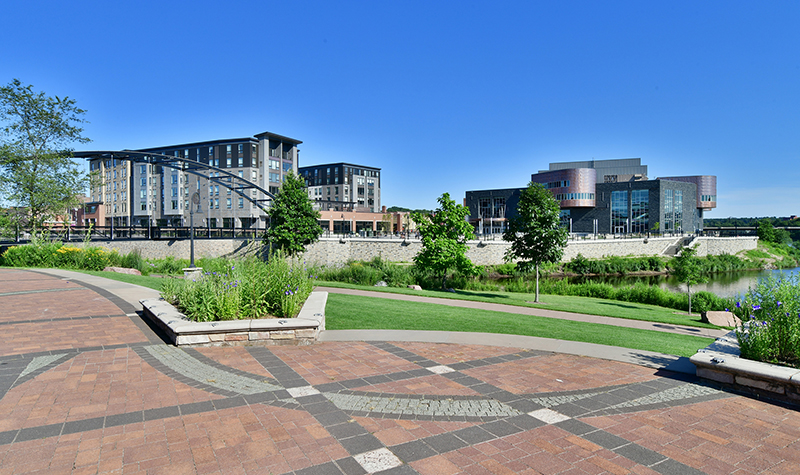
727,284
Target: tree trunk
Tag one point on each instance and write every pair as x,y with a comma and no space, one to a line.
689,289
536,298
444,280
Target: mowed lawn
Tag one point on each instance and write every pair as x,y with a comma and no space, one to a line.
350,312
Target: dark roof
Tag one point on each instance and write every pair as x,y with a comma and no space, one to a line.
339,163
282,138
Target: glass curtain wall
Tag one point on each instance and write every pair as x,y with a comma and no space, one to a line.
619,212
639,211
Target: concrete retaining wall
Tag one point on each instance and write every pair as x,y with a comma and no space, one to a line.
335,252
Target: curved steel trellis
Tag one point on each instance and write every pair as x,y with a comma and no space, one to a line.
233,182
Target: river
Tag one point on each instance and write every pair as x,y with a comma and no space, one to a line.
726,284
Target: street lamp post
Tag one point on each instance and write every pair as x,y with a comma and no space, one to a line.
195,202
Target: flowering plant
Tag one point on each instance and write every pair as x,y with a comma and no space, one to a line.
770,315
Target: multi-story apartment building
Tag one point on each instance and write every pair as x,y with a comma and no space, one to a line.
142,194
344,187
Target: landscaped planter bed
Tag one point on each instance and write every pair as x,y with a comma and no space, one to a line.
302,330
720,362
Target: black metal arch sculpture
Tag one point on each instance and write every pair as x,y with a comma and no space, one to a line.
235,183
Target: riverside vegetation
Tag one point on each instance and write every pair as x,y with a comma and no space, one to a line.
54,254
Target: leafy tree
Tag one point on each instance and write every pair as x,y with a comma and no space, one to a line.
535,233
292,218
444,239
36,171
687,269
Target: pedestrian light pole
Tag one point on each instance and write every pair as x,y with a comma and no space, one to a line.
195,202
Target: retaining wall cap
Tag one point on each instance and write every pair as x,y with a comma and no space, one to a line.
739,366
282,324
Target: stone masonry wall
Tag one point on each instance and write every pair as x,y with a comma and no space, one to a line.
334,252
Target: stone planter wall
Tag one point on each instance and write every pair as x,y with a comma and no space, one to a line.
302,330
720,362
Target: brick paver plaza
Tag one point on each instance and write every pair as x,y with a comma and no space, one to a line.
87,387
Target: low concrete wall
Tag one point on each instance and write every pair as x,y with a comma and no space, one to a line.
721,362
333,251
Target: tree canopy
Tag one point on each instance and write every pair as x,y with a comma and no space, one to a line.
444,239
535,233
292,218
36,171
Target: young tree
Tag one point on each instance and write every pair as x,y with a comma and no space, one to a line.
535,233
687,269
444,239
36,171
292,218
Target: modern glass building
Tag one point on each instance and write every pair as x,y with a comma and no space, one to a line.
606,197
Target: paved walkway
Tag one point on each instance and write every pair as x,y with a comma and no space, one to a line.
87,387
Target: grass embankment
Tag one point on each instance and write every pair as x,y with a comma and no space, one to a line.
561,303
346,312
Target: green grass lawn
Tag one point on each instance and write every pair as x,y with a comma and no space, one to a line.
150,281
562,303
348,312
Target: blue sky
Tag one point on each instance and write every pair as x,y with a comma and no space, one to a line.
443,96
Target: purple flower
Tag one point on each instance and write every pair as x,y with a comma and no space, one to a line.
727,310
756,307
779,303
738,304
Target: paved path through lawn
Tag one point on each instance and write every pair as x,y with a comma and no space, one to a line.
87,387
539,312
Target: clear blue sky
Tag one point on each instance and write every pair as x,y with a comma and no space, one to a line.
443,96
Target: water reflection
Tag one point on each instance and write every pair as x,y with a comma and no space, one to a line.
728,284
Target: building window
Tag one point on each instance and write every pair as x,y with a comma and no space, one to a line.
669,219
499,207
241,203
640,217
274,165
274,177
484,206
174,204
619,212
678,206
228,203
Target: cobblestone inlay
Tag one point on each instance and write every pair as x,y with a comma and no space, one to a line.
557,400
685,391
422,406
39,362
182,363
